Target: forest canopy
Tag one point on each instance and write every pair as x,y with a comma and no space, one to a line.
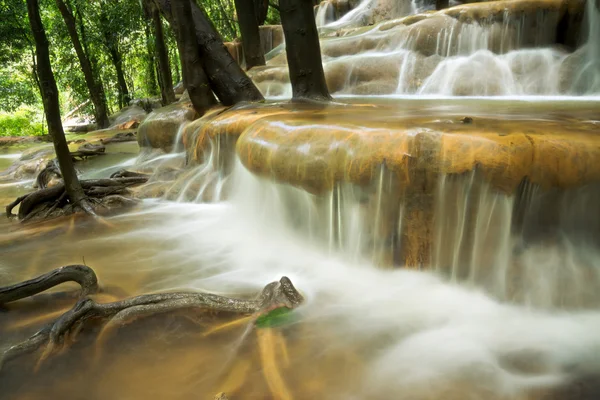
117,36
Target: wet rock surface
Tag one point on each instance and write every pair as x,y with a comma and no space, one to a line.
159,130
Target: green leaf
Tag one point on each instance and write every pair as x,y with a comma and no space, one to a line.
277,317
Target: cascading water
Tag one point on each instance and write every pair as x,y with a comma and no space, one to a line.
482,49
494,200
588,78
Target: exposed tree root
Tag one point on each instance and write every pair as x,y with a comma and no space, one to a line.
53,201
123,173
88,150
51,171
120,137
276,294
81,274
268,341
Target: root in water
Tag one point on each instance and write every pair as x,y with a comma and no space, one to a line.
54,336
53,201
271,369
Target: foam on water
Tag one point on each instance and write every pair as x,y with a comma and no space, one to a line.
11,156
422,336
512,53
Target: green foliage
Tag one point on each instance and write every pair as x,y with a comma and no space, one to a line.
277,317
16,86
14,30
25,121
104,26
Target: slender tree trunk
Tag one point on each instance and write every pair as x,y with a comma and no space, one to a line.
196,81
303,50
253,51
181,51
152,86
174,57
441,4
52,106
93,84
165,79
227,79
117,61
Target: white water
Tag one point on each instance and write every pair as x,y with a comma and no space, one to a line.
425,337
11,156
441,55
588,77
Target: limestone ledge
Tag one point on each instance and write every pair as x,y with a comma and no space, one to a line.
159,129
316,147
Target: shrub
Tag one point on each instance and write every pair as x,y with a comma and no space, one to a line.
24,121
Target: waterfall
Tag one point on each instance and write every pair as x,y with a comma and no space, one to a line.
588,79
483,49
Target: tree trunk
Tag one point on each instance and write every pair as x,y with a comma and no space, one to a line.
94,85
227,79
151,85
303,50
253,51
52,106
165,79
261,9
196,81
117,60
441,4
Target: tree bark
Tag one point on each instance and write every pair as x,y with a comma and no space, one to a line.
94,85
261,9
117,61
253,51
195,80
227,79
165,79
441,4
151,84
303,50
52,106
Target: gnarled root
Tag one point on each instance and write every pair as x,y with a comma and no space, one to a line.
81,274
120,137
46,202
88,150
123,173
276,294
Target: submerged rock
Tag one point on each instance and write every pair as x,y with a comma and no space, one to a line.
29,165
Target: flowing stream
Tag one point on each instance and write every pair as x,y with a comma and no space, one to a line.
506,311
489,204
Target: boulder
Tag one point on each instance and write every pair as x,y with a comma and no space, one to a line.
160,129
128,118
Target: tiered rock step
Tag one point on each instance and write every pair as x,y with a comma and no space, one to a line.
413,54
401,162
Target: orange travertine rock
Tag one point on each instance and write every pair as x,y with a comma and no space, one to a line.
222,126
319,147
315,149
